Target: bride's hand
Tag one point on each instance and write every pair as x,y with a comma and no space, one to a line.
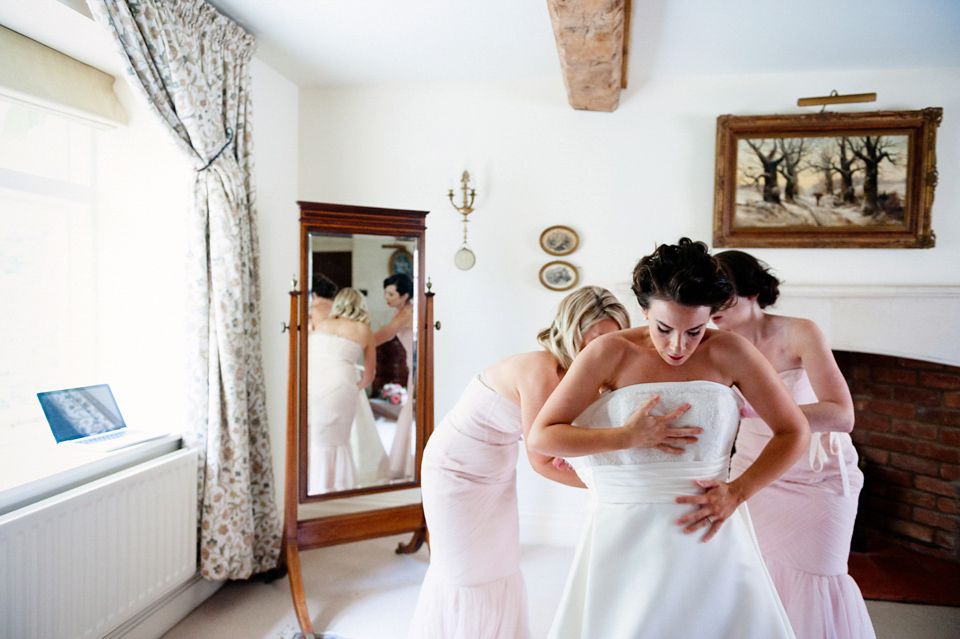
651,431
715,505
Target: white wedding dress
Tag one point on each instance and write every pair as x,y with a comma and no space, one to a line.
635,573
369,455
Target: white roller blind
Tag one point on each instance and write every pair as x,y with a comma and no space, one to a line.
35,74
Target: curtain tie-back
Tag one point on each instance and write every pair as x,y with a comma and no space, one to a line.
222,149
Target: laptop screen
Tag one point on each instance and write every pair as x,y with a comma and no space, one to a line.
81,412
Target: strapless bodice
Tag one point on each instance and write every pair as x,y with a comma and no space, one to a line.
328,345
713,407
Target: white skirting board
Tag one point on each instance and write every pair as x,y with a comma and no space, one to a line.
156,620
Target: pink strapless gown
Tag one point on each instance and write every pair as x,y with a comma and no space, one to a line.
331,406
401,459
804,522
473,588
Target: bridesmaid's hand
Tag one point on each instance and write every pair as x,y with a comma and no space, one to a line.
561,464
650,431
715,505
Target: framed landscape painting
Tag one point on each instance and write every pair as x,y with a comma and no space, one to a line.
826,180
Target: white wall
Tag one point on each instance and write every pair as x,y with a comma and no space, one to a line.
275,105
625,181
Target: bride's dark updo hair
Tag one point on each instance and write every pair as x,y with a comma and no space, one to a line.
750,277
684,273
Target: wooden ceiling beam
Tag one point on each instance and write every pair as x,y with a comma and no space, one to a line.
592,45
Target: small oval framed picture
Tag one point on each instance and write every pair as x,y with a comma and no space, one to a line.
559,275
559,240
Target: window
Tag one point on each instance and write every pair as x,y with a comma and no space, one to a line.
48,278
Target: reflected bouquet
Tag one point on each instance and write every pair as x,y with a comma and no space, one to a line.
394,393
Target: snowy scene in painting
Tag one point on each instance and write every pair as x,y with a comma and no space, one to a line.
821,181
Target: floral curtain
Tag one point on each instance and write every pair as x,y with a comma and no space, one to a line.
192,65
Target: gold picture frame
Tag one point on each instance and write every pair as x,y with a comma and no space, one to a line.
826,180
400,261
559,275
559,240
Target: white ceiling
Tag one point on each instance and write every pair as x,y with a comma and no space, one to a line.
322,42
333,42
326,42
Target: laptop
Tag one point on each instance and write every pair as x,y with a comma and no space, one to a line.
89,417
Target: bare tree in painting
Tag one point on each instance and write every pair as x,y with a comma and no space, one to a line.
792,153
824,164
872,151
769,162
846,166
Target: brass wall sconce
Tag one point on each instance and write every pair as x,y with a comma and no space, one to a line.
464,259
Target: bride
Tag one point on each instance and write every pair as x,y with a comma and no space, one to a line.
639,571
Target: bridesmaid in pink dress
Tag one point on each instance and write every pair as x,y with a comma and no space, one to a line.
397,293
473,587
336,345
803,520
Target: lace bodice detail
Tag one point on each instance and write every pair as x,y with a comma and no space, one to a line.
713,407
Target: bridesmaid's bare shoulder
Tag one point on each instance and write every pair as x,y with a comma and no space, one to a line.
510,374
534,363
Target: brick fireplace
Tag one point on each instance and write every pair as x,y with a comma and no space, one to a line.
907,433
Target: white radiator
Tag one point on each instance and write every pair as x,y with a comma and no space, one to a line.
83,562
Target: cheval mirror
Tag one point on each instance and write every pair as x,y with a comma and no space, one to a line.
355,440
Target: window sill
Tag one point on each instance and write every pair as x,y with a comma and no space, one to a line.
34,469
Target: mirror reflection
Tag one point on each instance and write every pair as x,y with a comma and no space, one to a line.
361,350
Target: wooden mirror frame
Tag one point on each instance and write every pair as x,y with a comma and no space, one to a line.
356,526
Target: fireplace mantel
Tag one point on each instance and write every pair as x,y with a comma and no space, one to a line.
918,322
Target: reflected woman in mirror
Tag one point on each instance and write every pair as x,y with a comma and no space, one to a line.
804,520
473,587
322,292
667,549
398,292
335,347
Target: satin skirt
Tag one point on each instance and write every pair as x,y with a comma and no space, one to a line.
636,574
369,456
